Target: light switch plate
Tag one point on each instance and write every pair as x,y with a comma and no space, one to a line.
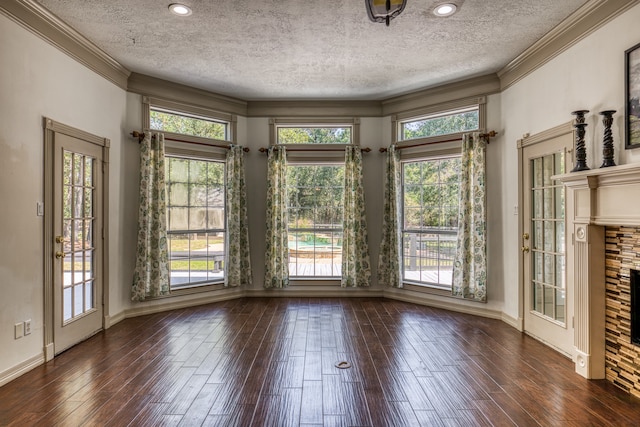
19,327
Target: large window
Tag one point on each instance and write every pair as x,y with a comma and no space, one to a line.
314,135
463,120
315,191
429,141
430,220
315,196
169,121
196,222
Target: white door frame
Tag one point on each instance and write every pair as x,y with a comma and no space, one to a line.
52,127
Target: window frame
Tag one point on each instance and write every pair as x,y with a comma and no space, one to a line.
314,155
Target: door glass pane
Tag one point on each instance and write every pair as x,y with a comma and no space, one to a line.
77,232
548,237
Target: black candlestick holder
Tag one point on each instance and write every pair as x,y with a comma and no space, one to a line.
581,149
607,141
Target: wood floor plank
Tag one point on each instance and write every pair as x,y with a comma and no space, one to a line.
271,361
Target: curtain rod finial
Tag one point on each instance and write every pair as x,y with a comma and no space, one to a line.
138,135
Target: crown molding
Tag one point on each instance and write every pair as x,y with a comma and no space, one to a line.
584,21
591,16
318,108
170,91
476,86
38,20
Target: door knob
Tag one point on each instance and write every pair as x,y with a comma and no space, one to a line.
59,239
59,255
525,249
525,236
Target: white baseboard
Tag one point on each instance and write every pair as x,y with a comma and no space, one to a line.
447,303
48,352
315,292
517,323
109,321
157,306
21,368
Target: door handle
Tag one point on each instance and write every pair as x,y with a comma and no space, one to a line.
59,255
525,236
525,249
59,239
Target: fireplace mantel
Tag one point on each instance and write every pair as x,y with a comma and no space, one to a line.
594,199
606,196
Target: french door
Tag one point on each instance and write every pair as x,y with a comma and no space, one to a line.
548,302
76,238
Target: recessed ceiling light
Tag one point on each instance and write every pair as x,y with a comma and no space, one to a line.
445,9
180,9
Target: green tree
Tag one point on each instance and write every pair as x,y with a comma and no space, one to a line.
314,135
171,122
453,123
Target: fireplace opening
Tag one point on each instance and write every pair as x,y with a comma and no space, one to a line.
635,307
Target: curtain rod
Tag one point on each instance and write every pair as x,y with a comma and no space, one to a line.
140,136
364,149
420,144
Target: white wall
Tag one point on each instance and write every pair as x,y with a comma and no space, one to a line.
38,80
589,75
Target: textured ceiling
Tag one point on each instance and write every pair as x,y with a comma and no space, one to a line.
304,49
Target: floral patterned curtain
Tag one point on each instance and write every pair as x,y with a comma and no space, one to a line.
391,246
356,268
470,265
277,238
151,275
237,259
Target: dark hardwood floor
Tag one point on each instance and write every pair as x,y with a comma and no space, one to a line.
271,362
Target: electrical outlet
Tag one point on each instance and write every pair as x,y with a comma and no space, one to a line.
19,327
27,327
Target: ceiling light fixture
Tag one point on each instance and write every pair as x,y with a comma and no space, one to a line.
445,9
384,10
180,9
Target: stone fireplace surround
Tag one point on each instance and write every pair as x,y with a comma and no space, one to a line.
599,199
622,357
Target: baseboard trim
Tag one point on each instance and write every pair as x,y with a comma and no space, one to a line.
109,321
517,323
186,301
315,292
447,303
21,368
